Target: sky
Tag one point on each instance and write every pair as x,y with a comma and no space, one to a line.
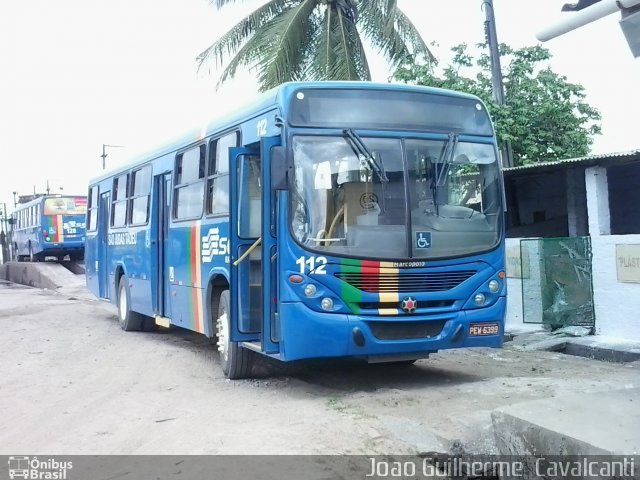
77,74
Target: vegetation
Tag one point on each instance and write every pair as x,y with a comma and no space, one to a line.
286,40
545,116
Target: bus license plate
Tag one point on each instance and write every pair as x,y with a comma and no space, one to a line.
481,329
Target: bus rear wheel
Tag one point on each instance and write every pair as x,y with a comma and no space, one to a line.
236,361
129,321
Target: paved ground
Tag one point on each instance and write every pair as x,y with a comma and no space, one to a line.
71,382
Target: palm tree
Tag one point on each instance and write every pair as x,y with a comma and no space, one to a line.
288,40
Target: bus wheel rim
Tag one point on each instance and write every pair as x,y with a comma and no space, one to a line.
123,305
222,326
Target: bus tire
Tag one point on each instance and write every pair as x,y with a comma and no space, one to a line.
129,320
236,361
149,324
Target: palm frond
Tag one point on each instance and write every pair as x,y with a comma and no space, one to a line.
344,67
320,69
358,53
383,9
229,43
389,30
337,52
287,35
409,33
389,43
221,3
313,40
247,56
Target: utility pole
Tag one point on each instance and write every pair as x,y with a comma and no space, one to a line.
4,229
104,153
15,202
496,70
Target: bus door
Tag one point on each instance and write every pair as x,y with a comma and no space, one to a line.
102,240
162,215
253,246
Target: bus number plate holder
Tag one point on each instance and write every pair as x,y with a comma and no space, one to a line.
482,329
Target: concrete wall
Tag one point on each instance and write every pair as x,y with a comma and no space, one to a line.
617,303
612,197
40,274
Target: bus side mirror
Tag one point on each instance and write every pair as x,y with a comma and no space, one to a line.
279,168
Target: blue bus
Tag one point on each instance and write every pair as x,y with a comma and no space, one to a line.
50,226
329,219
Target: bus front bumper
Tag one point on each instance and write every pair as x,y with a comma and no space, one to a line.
310,334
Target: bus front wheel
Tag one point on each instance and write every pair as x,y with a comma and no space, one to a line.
129,321
236,361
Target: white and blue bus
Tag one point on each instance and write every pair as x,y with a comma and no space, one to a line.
50,226
329,219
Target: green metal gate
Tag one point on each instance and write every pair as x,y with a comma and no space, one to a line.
557,288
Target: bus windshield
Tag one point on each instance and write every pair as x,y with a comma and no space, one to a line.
440,198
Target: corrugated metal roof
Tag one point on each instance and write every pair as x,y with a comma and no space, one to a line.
602,159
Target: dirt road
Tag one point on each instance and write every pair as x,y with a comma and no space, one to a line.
71,382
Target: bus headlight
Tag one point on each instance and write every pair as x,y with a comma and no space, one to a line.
326,304
479,299
310,290
494,286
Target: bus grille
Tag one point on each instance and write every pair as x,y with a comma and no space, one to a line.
406,282
405,330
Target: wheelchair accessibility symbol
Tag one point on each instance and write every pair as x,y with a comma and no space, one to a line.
423,239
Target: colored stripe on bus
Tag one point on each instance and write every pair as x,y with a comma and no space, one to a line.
391,295
350,295
371,271
59,229
196,279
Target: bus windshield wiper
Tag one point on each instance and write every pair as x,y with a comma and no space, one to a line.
442,168
361,150
445,159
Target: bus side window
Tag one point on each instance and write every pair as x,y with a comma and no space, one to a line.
93,209
218,175
119,209
250,209
139,199
189,188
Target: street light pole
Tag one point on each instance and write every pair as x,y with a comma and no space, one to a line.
496,69
104,153
494,53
